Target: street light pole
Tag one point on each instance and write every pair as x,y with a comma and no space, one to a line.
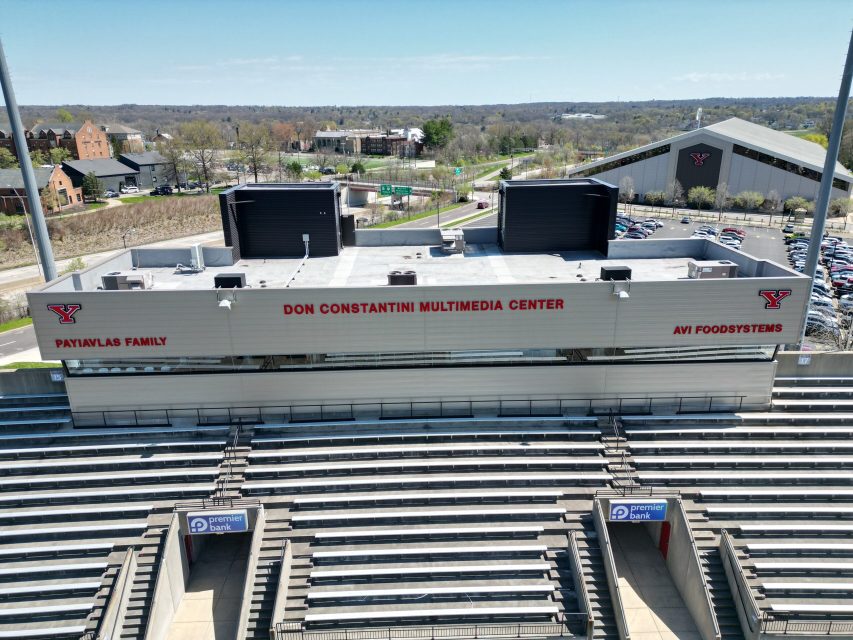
29,229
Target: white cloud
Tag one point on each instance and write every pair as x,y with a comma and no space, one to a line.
699,76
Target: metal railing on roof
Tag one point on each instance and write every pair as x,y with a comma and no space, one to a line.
295,631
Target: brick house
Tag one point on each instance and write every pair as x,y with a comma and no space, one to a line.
127,139
85,141
13,196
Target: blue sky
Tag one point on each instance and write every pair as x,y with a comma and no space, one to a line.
428,52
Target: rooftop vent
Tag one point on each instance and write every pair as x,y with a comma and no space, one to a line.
398,278
702,269
229,280
126,280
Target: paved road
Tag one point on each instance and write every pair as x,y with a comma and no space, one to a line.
466,210
16,341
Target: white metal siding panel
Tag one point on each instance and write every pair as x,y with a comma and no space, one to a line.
193,323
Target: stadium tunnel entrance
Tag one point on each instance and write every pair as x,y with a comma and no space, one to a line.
209,557
653,570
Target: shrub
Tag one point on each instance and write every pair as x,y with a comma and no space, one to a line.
749,200
839,207
701,197
654,198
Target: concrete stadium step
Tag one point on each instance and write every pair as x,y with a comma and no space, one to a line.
142,589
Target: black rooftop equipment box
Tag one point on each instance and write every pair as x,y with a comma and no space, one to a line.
269,220
556,215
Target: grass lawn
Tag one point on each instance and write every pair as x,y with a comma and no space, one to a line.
481,214
135,199
419,216
31,365
95,205
15,324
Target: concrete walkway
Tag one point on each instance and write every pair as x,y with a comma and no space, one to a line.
653,607
210,609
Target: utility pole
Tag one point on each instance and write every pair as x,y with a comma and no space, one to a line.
825,189
42,238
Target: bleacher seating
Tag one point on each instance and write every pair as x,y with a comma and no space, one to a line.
72,501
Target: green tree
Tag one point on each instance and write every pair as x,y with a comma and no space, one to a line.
506,173
839,207
37,157
50,200
438,132
177,165
357,167
701,197
341,168
654,198
59,154
202,139
817,138
64,115
749,200
794,203
117,147
294,170
7,159
92,187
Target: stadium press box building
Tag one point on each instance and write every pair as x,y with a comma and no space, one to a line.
546,311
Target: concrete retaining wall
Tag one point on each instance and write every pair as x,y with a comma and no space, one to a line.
251,569
815,364
15,382
171,583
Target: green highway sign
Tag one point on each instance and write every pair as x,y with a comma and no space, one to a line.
385,190
403,191
458,171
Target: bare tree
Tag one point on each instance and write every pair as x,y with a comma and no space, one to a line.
202,139
626,191
721,197
177,164
675,194
255,144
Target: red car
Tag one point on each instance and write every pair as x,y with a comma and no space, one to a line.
736,231
482,204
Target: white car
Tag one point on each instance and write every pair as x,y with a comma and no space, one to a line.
846,301
129,189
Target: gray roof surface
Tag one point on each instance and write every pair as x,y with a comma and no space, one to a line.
13,178
60,128
748,134
120,128
777,142
149,157
100,167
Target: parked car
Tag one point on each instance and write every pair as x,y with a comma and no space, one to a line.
846,302
109,193
328,171
482,204
656,222
162,190
788,228
129,189
685,220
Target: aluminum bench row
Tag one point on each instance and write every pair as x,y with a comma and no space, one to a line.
503,495
453,569
129,477
682,417
296,486
51,588
112,433
823,527
806,416
332,467
106,461
342,594
60,420
770,431
415,450
799,546
788,492
803,567
46,610
411,514
55,549
412,532
499,612
759,509
118,529
432,422
366,554
44,632
79,567
431,434
807,586
29,408
106,494
734,475
755,459
71,513
812,608
43,452
740,444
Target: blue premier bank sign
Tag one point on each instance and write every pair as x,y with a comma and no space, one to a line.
637,510
202,522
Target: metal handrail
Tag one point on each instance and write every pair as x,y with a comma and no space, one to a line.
295,631
789,624
583,592
744,593
507,407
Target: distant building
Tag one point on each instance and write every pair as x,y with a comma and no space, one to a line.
86,141
152,167
383,145
412,134
345,142
112,173
742,155
13,195
130,139
162,137
581,116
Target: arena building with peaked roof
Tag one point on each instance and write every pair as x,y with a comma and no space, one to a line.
742,155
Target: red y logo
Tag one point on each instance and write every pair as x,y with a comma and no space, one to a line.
774,297
65,312
699,158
